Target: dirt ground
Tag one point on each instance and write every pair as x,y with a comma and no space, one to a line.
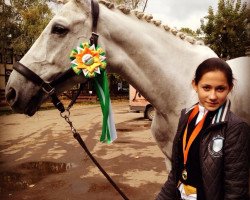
40,159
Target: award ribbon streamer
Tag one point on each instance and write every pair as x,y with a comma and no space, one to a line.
91,61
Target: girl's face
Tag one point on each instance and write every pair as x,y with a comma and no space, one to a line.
212,90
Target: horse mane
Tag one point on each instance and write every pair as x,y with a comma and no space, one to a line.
149,18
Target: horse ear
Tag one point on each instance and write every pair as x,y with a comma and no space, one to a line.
84,2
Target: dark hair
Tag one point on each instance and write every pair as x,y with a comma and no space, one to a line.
214,64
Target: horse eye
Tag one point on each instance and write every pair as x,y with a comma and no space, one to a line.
59,30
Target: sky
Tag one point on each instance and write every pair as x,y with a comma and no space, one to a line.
180,13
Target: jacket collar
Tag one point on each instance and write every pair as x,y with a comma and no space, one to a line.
221,113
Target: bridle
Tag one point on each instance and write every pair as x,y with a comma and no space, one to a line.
50,89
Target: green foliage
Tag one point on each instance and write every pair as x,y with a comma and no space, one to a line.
8,28
188,31
24,21
33,16
225,31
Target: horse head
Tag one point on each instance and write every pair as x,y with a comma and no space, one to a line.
49,57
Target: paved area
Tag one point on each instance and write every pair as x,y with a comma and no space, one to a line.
39,158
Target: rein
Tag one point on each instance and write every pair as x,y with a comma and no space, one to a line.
49,89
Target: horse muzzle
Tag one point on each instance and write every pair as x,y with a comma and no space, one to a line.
20,97
29,103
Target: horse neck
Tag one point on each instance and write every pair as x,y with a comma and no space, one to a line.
149,58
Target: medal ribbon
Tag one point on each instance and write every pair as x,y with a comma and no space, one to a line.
194,134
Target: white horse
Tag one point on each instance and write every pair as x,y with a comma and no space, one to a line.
156,60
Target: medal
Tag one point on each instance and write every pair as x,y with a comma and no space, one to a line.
184,174
187,144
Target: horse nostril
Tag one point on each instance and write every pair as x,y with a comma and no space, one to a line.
11,96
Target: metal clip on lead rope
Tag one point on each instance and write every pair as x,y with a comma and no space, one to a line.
66,115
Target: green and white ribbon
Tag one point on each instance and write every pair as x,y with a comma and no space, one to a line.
91,62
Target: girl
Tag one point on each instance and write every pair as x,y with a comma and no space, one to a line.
210,156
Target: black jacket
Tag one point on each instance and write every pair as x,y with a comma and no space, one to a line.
225,173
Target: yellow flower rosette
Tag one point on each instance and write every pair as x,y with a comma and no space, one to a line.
88,59
91,61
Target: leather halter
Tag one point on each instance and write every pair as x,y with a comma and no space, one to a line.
49,87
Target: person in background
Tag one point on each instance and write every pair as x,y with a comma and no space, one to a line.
210,155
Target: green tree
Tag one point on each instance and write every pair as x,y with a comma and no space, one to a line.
225,31
31,17
189,31
8,28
